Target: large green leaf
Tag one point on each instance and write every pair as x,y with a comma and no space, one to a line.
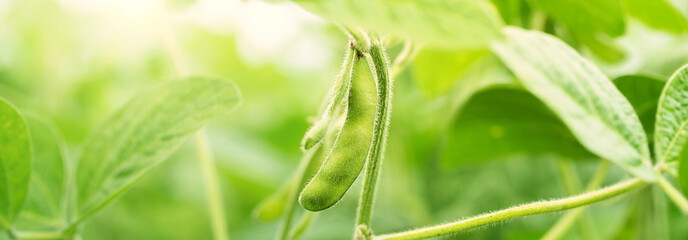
643,94
510,10
671,129
503,122
659,14
683,169
15,163
44,208
435,71
581,95
144,132
458,24
589,15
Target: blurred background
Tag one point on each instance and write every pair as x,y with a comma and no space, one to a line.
75,61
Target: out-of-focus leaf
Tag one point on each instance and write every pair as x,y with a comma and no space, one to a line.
589,15
658,14
15,163
303,224
643,94
144,132
456,24
581,95
437,70
510,10
683,170
485,73
43,209
273,207
671,129
602,46
495,122
648,217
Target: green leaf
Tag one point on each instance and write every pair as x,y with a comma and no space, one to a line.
456,24
589,15
510,10
601,45
435,71
485,73
683,170
503,122
144,132
43,209
15,163
659,14
643,94
671,129
581,95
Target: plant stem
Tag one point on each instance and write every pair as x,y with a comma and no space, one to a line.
405,57
291,202
213,193
673,193
520,211
205,155
37,235
565,222
380,68
572,183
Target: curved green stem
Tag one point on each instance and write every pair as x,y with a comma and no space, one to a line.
572,183
673,193
291,202
565,222
405,57
520,211
205,155
212,187
37,235
380,68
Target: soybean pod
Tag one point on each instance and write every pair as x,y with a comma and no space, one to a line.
348,155
338,95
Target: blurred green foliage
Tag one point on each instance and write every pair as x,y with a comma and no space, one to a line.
75,62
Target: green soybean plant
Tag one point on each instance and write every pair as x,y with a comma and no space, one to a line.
45,195
524,77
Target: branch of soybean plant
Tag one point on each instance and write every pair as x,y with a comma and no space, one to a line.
205,155
405,57
380,68
670,168
291,200
565,222
520,211
572,183
37,235
212,186
673,193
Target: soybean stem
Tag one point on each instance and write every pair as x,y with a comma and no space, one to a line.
520,211
405,57
213,193
291,201
380,68
565,222
572,183
205,155
37,235
673,193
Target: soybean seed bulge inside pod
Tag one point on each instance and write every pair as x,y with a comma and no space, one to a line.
348,155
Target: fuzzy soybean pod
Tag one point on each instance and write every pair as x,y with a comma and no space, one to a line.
348,155
338,96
